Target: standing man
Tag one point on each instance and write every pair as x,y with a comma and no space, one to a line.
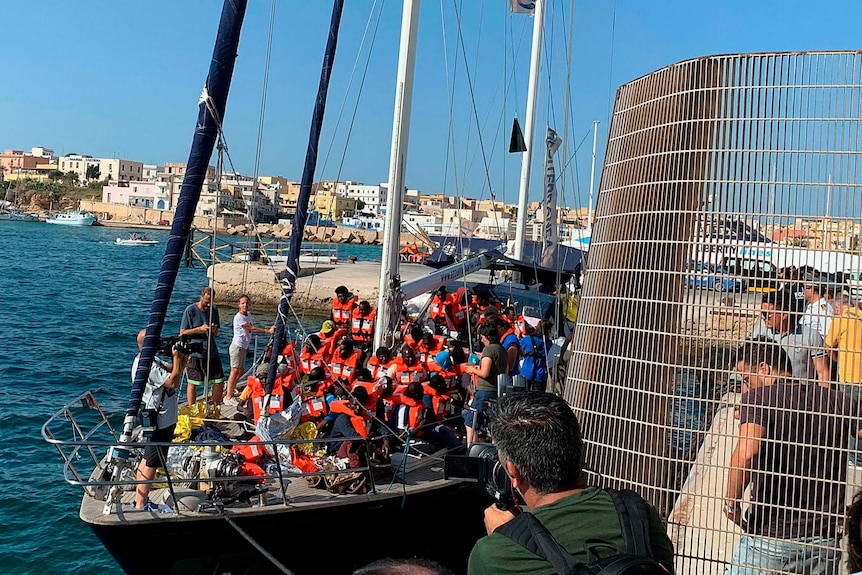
791,450
160,401
201,323
342,307
818,313
844,341
243,327
540,447
802,343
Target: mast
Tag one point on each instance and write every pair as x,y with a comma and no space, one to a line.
592,174
529,124
211,109
387,304
301,214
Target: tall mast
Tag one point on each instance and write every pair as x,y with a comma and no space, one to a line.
592,174
301,215
529,124
387,304
211,111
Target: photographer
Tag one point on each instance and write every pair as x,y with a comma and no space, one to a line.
539,445
158,403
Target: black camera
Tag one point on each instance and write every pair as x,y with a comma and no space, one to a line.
482,466
183,344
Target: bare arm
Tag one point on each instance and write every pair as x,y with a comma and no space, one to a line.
483,370
747,448
177,368
512,357
822,368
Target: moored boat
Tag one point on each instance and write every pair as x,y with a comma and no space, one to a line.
16,215
73,218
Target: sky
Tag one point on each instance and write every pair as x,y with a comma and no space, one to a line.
122,79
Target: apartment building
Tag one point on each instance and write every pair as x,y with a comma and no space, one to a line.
108,168
372,197
139,193
12,161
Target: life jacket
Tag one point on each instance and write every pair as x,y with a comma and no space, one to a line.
362,326
374,390
520,327
376,368
251,453
329,344
356,421
345,369
313,409
341,311
441,310
288,355
407,413
425,354
534,365
406,374
439,401
309,361
276,399
509,338
459,315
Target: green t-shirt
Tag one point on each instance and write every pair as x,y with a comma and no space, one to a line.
589,514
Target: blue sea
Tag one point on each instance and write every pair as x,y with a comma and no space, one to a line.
74,302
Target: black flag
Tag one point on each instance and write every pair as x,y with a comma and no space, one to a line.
516,144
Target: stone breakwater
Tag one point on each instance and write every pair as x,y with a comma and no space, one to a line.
336,234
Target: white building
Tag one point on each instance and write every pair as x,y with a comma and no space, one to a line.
108,168
150,172
414,221
41,152
373,197
142,194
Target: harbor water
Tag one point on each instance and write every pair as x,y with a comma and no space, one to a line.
74,301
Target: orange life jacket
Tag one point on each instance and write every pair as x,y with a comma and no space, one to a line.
251,453
374,390
426,354
409,413
520,326
276,399
329,344
441,309
440,401
356,421
288,355
345,369
308,361
406,374
312,409
376,368
341,311
362,326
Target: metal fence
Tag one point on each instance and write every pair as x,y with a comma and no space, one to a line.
730,191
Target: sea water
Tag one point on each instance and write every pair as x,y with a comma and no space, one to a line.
72,304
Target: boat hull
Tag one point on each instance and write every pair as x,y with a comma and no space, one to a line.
136,242
85,221
440,524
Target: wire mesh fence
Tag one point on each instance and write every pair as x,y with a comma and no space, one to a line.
729,212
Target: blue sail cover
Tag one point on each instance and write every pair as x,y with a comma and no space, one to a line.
210,117
301,215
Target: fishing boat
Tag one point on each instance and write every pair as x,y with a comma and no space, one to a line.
73,218
205,501
136,240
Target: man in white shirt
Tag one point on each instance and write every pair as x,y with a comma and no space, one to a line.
243,327
818,313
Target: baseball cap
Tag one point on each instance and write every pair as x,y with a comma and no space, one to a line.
328,326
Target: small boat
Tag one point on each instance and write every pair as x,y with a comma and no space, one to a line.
136,240
73,218
16,215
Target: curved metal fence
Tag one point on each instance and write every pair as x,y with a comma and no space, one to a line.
729,210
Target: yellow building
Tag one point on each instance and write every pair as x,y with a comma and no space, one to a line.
333,207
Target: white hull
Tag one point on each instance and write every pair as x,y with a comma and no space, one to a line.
121,242
17,217
73,219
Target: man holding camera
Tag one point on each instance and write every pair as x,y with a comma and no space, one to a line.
159,403
539,445
201,324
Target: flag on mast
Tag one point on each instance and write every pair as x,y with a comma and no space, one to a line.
550,236
522,6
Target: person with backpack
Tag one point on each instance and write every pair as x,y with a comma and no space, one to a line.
571,528
534,349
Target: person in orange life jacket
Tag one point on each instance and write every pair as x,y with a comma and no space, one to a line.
437,397
510,343
351,419
407,368
287,374
441,310
362,324
254,390
342,307
316,398
414,336
411,415
329,336
345,362
460,309
516,321
379,364
311,356
429,346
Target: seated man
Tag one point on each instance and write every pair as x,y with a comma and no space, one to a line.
539,444
379,364
159,401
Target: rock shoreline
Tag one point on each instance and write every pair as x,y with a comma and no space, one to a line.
337,234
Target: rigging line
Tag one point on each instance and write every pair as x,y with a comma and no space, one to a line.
471,79
358,96
350,82
611,70
566,107
450,95
475,114
256,545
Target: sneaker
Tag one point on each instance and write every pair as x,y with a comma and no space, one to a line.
148,506
232,401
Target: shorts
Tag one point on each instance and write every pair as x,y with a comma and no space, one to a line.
477,408
156,455
237,356
196,370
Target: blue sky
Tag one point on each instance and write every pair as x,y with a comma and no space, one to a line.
111,78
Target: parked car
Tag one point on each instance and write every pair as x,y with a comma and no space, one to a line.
853,281
715,279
